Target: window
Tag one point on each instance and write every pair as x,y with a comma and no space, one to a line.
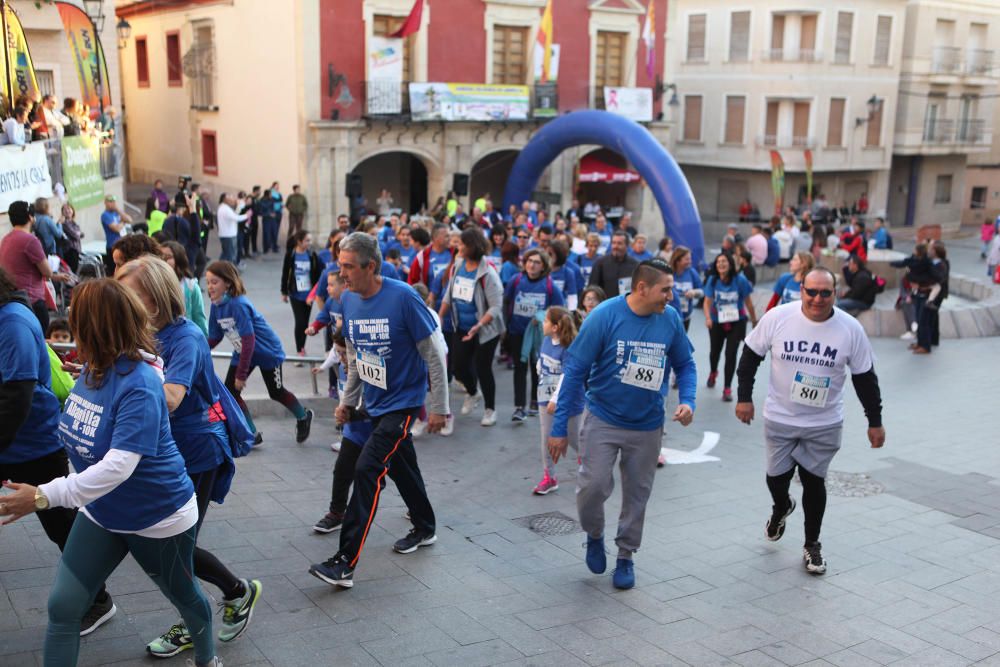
800,124
696,38
209,153
771,124
739,37
609,63
46,81
845,28
174,59
883,37
384,25
942,189
692,118
735,112
978,197
510,54
873,138
835,129
200,63
141,62
807,38
777,36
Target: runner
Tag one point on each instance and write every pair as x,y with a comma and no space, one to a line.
728,299
623,353
255,344
613,272
393,344
559,330
789,285
813,345
300,271
687,284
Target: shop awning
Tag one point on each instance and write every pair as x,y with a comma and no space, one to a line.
594,170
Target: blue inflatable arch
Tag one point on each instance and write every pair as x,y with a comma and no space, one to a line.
673,194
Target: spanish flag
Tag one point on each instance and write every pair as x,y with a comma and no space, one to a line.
545,41
412,22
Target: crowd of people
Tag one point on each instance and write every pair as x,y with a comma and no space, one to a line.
36,117
592,322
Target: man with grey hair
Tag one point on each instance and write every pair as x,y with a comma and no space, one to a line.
393,344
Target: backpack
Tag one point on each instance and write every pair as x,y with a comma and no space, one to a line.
517,281
879,284
241,438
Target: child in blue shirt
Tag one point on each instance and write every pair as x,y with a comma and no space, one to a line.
559,330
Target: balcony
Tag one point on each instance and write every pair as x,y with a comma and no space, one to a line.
971,131
946,60
786,141
939,131
792,55
979,62
387,98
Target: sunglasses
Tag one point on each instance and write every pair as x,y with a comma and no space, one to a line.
523,237
825,293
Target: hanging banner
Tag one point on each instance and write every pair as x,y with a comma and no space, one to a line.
778,181
809,176
81,158
88,56
23,75
540,63
468,101
24,174
385,75
633,103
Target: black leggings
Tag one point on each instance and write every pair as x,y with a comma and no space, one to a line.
719,336
300,311
206,566
813,498
514,342
473,361
343,475
275,389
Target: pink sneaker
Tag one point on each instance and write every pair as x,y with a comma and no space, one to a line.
547,484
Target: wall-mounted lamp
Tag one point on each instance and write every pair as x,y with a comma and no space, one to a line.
874,106
660,87
124,29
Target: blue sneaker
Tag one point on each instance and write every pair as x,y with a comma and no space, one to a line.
624,575
596,560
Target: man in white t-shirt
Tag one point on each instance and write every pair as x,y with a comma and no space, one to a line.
813,346
786,238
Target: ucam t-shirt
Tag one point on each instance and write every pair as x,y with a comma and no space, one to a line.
626,361
24,357
809,363
384,330
728,298
236,317
128,412
788,288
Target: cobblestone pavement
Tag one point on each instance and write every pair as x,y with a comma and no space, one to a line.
912,536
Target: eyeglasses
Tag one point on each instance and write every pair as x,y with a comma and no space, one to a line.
523,237
825,293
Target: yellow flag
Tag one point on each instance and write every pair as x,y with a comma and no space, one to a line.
545,41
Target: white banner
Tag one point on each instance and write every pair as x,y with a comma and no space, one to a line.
634,103
553,62
24,174
385,75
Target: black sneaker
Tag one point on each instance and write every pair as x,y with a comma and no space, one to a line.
258,438
518,417
98,614
335,571
330,522
413,541
302,427
775,526
813,557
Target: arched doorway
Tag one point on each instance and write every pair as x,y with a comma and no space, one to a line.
606,177
489,175
403,174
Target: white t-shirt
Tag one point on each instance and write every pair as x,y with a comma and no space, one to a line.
809,363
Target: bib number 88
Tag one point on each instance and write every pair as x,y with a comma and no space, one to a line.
644,374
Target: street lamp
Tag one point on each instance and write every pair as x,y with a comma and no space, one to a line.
124,29
874,105
95,10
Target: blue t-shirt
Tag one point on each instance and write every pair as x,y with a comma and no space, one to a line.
187,362
683,282
24,356
586,265
881,238
625,361
437,288
467,315
358,431
527,297
507,272
577,272
326,257
565,280
302,265
236,317
322,283
640,257
127,412
406,255
389,270
439,261
788,288
550,361
332,313
109,218
48,233
605,237
384,330
386,237
773,252
728,298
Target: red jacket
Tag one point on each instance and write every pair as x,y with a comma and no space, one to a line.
420,267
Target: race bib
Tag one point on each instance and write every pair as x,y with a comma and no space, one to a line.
810,390
644,371
728,312
302,283
463,289
526,304
625,285
371,369
547,387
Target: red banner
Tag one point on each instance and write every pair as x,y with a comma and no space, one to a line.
88,56
778,181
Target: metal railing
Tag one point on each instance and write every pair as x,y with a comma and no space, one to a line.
979,62
387,98
971,131
939,130
946,60
785,55
786,141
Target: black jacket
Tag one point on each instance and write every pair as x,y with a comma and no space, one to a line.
607,271
862,286
288,271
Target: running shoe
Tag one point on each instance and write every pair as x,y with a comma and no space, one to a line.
489,418
775,526
546,485
98,614
727,395
597,561
237,614
176,639
470,403
299,364
335,446
661,460
449,426
330,522
711,378
258,438
418,428
909,335
302,427
519,416
334,571
624,575
813,557
533,409
413,541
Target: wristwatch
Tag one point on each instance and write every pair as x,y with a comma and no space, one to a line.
41,500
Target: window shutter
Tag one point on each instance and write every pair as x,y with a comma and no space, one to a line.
739,37
835,129
883,35
845,26
874,135
692,118
696,38
735,108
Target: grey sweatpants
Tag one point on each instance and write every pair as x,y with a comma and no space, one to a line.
600,446
572,436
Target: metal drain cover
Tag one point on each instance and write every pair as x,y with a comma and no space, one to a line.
549,523
851,485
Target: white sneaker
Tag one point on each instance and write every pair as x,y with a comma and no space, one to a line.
335,446
909,335
489,418
449,426
418,429
470,403
914,326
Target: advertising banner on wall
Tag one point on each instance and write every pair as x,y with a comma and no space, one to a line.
468,102
81,158
24,174
385,75
778,181
23,75
633,103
